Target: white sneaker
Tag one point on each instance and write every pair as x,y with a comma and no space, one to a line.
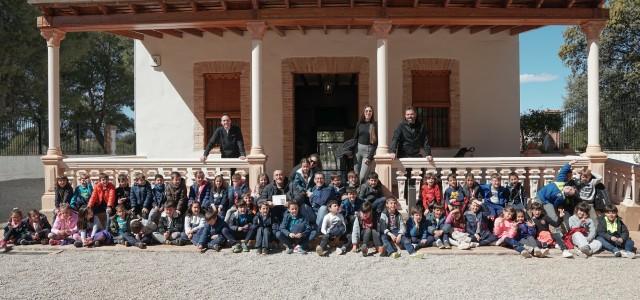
567,254
537,252
417,255
464,246
474,245
557,246
339,251
525,254
628,254
545,253
439,244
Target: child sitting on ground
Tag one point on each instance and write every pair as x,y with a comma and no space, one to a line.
64,227
16,231
455,225
506,229
613,233
141,234
201,191
526,235
477,225
90,231
435,222
119,226
235,194
39,227
123,192
214,234
543,232
193,224
82,193
417,230
154,206
431,194
263,228
241,226
333,227
64,192
140,194
372,192
294,230
103,199
582,231
349,206
244,199
170,226
454,195
365,230
393,228
336,184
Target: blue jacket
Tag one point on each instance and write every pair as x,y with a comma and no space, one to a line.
158,197
260,221
204,197
81,196
349,209
208,230
216,198
419,232
457,194
552,192
238,220
300,185
235,194
433,223
502,194
140,194
321,195
476,223
525,231
294,224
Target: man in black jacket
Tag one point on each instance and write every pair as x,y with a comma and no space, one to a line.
229,137
409,137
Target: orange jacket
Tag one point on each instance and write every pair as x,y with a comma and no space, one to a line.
103,194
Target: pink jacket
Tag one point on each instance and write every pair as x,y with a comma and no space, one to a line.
70,224
505,228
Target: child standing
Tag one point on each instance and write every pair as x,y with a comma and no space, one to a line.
582,231
333,226
154,206
393,228
613,233
193,223
435,222
454,195
16,231
543,232
140,194
39,227
90,231
240,224
170,226
64,192
82,193
214,234
64,227
201,191
417,229
431,194
294,230
477,225
263,228
103,199
365,230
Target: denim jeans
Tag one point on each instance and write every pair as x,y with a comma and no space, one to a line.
613,247
389,245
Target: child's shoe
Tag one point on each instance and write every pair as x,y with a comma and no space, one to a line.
24,242
237,248
354,248
395,255
44,241
78,244
126,244
97,243
341,250
567,254
525,254
381,250
299,250
416,255
216,248
617,254
364,250
464,246
142,245
289,251
586,250
319,250
629,254
244,246
537,252
259,250
53,242
545,253
166,242
439,244
447,245
474,245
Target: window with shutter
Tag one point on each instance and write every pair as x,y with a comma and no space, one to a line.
431,98
222,95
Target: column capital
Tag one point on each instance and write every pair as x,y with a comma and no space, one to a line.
257,29
381,28
592,30
52,36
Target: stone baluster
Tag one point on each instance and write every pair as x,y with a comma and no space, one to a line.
504,174
488,173
444,174
402,180
549,175
416,175
460,174
534,181
477,175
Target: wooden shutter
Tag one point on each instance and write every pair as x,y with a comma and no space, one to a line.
430,88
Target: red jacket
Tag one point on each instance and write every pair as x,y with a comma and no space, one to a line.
567,236
103,194
431,195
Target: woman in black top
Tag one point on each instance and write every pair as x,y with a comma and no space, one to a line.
366,135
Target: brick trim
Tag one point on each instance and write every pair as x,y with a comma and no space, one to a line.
197,105
327,65
430,64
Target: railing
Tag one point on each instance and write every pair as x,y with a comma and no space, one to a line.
621,182
534,172
114,166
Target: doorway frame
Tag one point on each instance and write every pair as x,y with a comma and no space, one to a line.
316,65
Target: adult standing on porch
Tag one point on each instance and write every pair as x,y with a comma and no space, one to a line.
409,137
229,137
366,135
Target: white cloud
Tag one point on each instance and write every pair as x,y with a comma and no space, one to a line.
540,77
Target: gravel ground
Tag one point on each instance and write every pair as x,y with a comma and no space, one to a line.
77,274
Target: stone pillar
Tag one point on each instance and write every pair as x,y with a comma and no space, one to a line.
383,159
52,161
594,152
110,139
256,157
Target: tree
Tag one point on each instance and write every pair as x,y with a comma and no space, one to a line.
619,76
536,124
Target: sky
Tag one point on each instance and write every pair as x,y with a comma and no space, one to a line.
542,74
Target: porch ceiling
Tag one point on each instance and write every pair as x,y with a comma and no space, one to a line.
147,18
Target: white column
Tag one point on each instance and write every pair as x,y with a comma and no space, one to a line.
381,30
257,30
53,38
592,32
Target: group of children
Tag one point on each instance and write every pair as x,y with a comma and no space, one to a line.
357,218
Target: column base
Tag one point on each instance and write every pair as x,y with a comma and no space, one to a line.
256,167
597,160
256,151
384,169
53,167
630,215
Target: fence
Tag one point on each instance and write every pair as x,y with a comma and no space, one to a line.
29,137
